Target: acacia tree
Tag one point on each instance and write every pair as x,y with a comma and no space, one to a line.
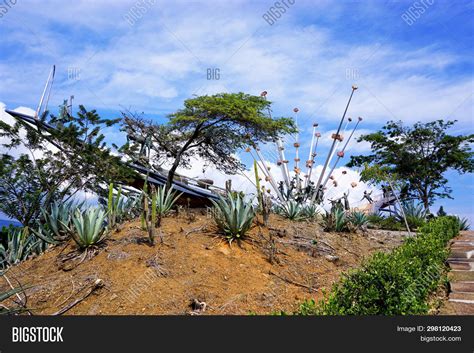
58,157
420,156
213,128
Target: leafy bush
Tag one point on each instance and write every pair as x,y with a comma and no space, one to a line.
397,283
233,216
88,227
388,223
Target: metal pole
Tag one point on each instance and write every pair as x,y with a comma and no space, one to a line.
342,151
308,161
333,144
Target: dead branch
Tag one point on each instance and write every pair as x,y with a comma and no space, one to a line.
97,284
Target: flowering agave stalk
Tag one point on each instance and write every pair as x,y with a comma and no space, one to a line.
88,227
233,216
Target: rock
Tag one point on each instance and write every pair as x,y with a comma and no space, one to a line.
331,258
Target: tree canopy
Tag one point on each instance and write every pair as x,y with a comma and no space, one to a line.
57,158
213,128
420,156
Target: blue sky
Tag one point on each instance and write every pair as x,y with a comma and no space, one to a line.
417,69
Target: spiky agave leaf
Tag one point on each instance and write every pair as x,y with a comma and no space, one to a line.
233,216
88,227
291,210
358,219
165,200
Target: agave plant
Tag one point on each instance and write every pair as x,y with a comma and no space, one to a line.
358,219
415,214
4,296
88,227
335,220
233,216
310,211
165,200
50,228
20,245
463,223
292,210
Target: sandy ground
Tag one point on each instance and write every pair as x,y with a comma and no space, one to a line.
190,264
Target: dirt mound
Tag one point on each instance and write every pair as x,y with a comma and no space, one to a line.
191,270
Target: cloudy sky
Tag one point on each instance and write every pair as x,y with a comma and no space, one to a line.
411,60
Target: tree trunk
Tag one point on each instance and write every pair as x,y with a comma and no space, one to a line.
172,172
175,165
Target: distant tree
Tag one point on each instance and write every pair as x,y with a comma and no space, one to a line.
213,128
420,156
58,158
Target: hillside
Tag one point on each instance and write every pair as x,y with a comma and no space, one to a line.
191,265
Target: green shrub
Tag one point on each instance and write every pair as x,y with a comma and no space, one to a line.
397,283
88,227
233,216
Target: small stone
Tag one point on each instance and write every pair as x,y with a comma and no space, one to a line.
331,258
113,296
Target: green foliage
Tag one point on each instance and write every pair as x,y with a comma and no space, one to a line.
358,219
50,228
291,210
80,160
120,208
419,155
213,128
165,200
310,211
398,283
233,216
387,223
335,221
415,214
20,245
88,227
463,223
7,294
